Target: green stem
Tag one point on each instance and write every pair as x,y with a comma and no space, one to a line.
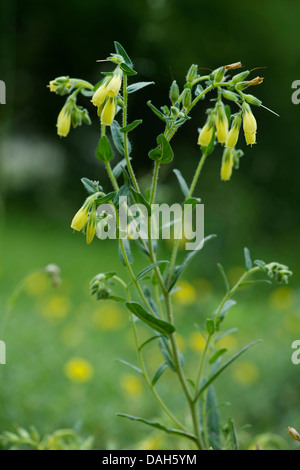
112,176
126,153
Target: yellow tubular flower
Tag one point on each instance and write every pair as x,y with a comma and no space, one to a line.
227,165
114,86
233,134
63,123
250,126
221,123
205,135
99,96
80,218
108,113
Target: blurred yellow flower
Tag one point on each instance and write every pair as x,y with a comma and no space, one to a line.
36,284
204,290
132,385
227,342
57,306
109,317
79,370
197,341
186,295
245,373
282,298
154,442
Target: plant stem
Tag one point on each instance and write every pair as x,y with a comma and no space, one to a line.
126,154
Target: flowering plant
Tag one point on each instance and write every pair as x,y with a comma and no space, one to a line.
148,295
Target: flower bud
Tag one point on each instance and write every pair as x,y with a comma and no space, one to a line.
192,73
294,433
221,123
230,95
114,85
240,77
227,165
63,122
252,100
249,125
219,74
108,113
174,92
52,85
91,227
80,218
187,98
233,134
235,65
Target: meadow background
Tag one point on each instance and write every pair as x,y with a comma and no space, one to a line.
61,344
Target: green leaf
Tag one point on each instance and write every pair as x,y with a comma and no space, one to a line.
233,435
163,152
106,198
118,138
248,261
91,187
228,304
131,126
116,298
213,419
119,167
137,369
104,151
127,250
223,367
137,86
149,340
225,279
149,268
218,354
156,111
121,51
179,269
159,373
154,323
210,326
260,263
182,182
127,70
255,281
165,350
158,426
226,333
139,198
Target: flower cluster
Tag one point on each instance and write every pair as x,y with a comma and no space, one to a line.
86,218
105,97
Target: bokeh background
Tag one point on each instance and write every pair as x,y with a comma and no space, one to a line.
61,344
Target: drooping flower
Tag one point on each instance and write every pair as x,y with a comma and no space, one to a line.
227,165
233,134
249,125
108,113
80,218
221,123
63,122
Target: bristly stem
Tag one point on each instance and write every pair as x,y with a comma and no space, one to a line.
126,153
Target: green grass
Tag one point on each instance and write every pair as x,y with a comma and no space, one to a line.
43,334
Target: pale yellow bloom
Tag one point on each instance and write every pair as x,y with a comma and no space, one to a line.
132,385
114,86
78,370
99,96
108,113
250,127
52,85
222,128
63,123
205,135
80,218
245,373
91,228
227,165
232,137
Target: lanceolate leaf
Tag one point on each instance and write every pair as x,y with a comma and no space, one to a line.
158,426
248,261
131,126
149,268
119,168
127,251
213,419
118,138
106,198
159,373
137,86
104,151
182,182
137,369
155,323
223,367
92,187
216,356
225,279
121,51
